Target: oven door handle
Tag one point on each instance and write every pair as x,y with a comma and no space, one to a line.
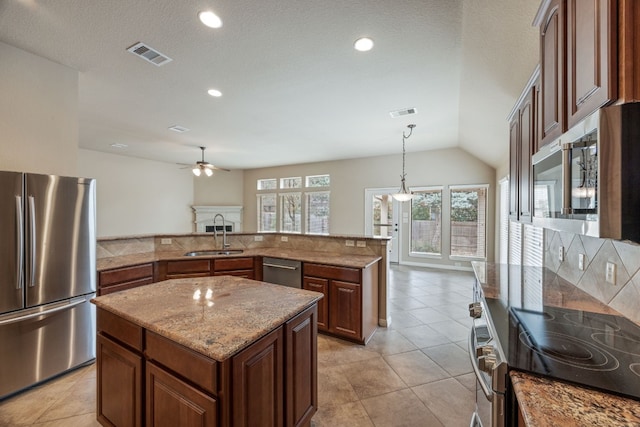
476,369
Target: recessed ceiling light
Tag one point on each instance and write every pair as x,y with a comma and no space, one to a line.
119,145
363,44
210,19
214,92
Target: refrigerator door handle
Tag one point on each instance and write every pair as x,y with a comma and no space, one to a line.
20,248
32,241
70,305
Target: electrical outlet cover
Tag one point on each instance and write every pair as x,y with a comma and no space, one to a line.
581,262
561,253
610,273
349,243
361,244
258,238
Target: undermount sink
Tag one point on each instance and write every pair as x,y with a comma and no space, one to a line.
220,252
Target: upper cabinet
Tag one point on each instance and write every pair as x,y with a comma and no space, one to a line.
578,59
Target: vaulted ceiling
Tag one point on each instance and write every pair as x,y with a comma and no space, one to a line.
294,90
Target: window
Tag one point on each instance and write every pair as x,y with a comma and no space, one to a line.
317,181
266,212
267,184
317,219
294,182
504,221
291,212
468,221
426,221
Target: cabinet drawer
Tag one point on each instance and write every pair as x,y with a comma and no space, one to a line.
332,272
127,274
189,266
123,286
247,274
119,328
198,369
233,264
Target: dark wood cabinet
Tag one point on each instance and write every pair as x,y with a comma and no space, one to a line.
180,269
118,279
320,285
514,165
171,402
301,349
591,56
258,388
552,71
351,299
119,384
241,267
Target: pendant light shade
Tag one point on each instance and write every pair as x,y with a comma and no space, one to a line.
404,195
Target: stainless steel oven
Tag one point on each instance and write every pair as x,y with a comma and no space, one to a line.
489,365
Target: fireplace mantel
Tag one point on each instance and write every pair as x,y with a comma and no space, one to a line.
205,215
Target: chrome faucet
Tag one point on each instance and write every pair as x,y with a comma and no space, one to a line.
224,231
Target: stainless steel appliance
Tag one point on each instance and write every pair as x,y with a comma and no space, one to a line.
47,277
585,182
489,365
282,272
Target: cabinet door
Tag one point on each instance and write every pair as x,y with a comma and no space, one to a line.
301,338
258,391
552,47
591,56
345,310
514,167
527,132
171,402
119,385
188,268
319,285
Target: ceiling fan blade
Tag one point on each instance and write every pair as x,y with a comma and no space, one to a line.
210,166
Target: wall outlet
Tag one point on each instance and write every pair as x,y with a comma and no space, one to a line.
361,244
258,238
581,262
610,273
561,253
349,243
165,241
284,238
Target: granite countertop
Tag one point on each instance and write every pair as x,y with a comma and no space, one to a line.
217,324
342,260
544,402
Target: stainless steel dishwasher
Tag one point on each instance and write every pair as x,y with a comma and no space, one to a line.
282,272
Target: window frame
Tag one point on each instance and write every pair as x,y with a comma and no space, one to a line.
307,211
453,188
432,255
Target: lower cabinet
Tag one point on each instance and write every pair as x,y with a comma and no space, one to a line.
349,308
145,379
241,267
118,279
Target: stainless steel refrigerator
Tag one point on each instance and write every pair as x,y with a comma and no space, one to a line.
47,277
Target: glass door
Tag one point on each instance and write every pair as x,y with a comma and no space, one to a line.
382,218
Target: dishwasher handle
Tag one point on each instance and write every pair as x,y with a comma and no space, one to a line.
283,267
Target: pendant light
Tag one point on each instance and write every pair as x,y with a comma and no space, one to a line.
404,195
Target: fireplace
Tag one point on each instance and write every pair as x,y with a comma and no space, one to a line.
205,215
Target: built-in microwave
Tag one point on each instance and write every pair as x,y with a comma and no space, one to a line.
588,181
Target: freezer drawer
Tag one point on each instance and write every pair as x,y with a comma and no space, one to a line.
38,344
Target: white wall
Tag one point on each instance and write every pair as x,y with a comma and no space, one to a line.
136,196
349,179
38,114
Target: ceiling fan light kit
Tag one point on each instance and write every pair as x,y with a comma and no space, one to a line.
205,166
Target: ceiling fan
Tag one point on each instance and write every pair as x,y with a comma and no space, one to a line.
203,166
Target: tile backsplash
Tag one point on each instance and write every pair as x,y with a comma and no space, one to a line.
624,295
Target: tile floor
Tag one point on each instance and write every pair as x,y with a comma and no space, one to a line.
414,373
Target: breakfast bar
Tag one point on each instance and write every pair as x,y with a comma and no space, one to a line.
210,351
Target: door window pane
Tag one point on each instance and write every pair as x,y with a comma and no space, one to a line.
426,221
382,215
317,218
267,212
291,212
468,222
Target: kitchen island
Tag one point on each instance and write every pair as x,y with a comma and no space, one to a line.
210,351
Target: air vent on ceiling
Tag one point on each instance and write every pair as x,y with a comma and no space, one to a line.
404,112
179,129
149,54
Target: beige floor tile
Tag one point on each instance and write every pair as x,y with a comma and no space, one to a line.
451,358
389,341
334,388
416,368
85,420
467,380
372,377
79,400
448,400
348,414
424,336
399,409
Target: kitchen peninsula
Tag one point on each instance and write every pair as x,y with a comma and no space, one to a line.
207,351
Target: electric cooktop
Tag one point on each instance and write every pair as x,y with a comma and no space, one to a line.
593,349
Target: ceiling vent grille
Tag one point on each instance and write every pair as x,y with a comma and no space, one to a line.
179,129
149,54
404,112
